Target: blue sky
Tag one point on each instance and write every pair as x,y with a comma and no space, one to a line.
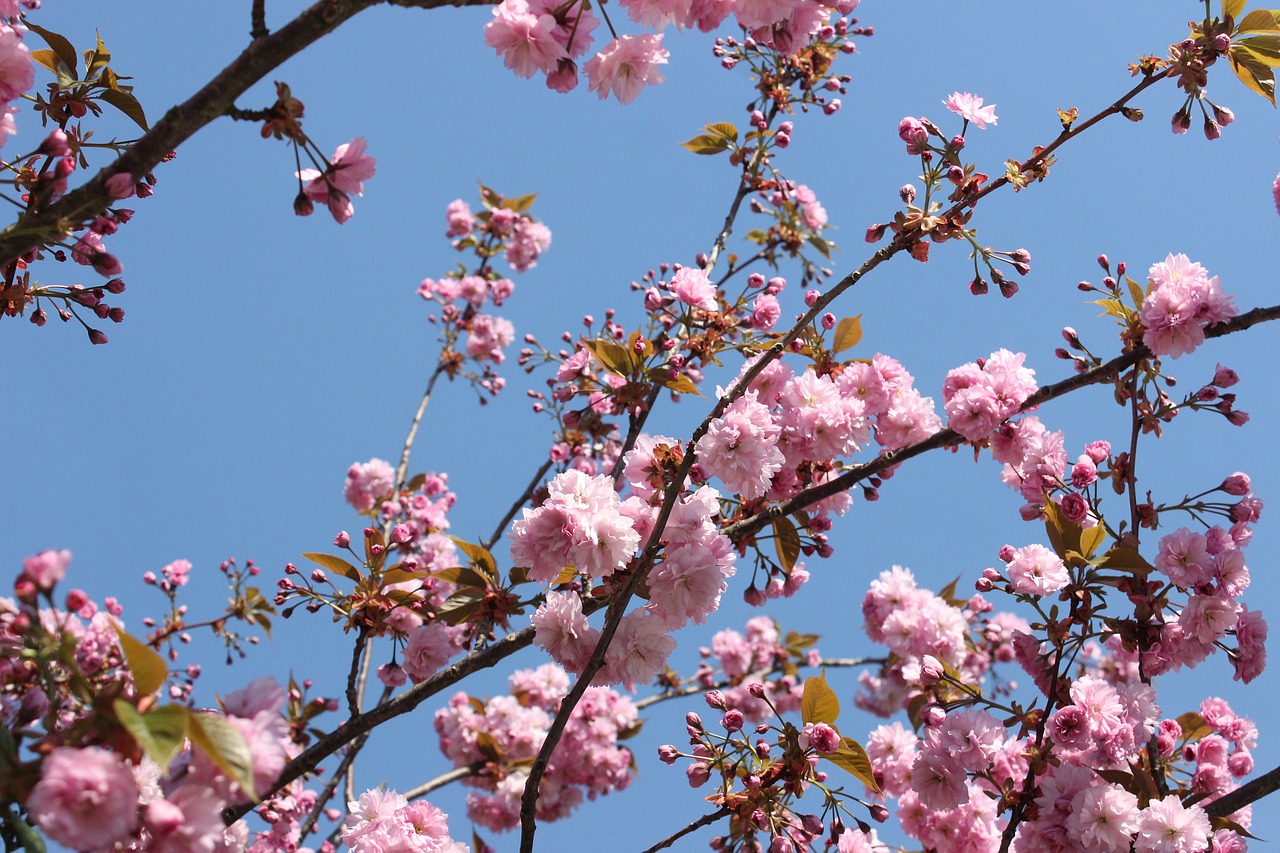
262,354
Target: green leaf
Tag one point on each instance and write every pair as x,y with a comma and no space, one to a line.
852,757
707,144
49,60
63,48
1112,307
462,577
520,204
1091,538
334,563
482,559
148,668
848,334
1135,292
1259,21
127,104
614,357
1224,822
723,129
28,839
1253,72
1126,560
819,703
97,59
1233,8
1064,534
399,574
786,541
682,385
459,607
216,737
823,246
160,732
1265,48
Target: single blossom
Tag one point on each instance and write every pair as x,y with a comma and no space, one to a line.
627,65
969,107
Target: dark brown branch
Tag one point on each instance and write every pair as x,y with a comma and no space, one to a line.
258,20
1250,792
705,820
353,728
181,122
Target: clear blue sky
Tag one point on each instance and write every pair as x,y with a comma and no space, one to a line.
262,354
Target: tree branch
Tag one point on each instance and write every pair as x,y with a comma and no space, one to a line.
945,438
1251,791
705,820
181,122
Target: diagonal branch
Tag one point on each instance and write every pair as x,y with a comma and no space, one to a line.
181,122
947,438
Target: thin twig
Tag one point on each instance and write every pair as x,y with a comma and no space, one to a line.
517,504
183,121
310,758
443,779
258,20
402,470
705,820
695,688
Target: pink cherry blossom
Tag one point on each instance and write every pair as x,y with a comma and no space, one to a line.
627,65
1166,826
1035,570
524,39
969,107
85,799
17,73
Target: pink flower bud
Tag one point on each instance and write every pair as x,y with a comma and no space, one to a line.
715,699
342,540
698,774
811,297
1237,484
668,754
732,720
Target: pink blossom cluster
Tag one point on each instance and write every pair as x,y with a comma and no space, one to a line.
461,295
929,635
747,659
505,732
979,396
539,36
17,72
582,524
1034,459
90,798
383,820
1181,303
786,426
947,782
1210,568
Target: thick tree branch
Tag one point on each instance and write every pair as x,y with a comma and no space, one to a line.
1250,792
358,725
181,122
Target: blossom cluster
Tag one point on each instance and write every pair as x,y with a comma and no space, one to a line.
535,36
501,735
384,820
788,430
1180,303
583,527
501,227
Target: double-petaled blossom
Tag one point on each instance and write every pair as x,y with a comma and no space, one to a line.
580,524
626,65
1183,301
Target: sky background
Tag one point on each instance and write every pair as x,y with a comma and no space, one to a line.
262,354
